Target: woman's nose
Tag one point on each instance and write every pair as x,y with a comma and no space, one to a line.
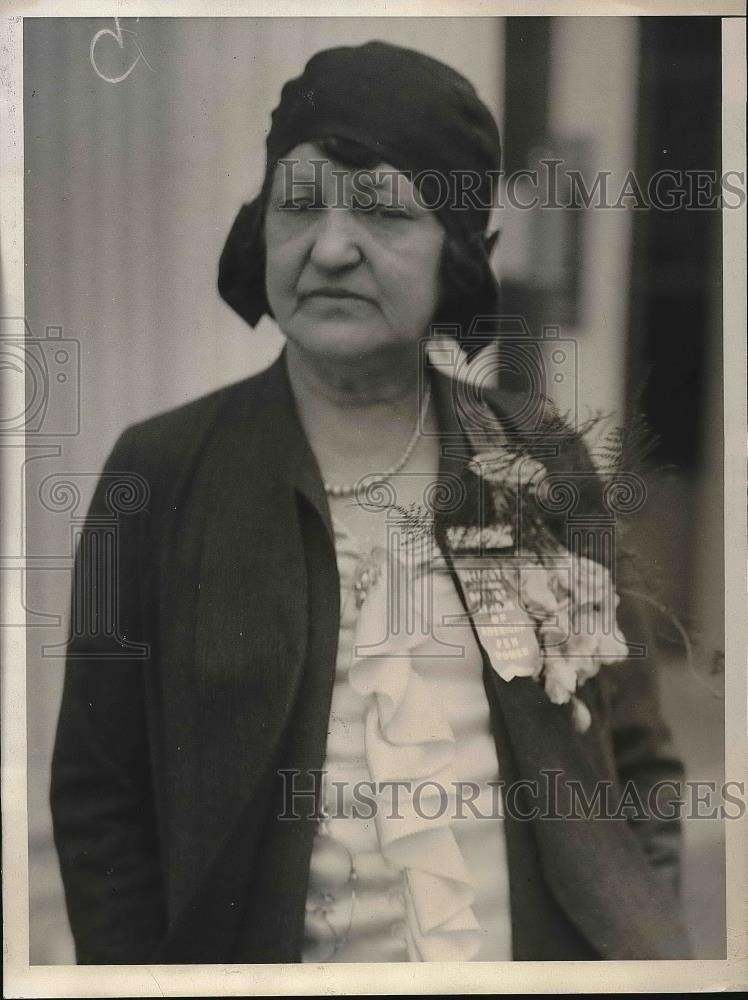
335,243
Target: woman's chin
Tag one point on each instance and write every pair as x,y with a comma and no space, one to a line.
345,341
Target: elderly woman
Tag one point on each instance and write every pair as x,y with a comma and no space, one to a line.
359,700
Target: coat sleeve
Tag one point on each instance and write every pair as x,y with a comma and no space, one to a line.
647,765
646,759
102,799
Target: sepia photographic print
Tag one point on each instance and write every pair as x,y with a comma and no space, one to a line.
373,549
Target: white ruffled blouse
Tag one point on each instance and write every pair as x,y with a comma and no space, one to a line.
409,866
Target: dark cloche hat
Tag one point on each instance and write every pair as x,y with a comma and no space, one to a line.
419,114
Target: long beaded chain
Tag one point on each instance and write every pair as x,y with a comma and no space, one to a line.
348,489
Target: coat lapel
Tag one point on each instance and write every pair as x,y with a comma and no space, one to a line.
595,868
235,618
253,584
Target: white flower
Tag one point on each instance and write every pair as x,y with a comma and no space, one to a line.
533,590
573,604
559,679
580,715
612,648
594,640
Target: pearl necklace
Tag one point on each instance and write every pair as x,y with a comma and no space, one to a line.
348,489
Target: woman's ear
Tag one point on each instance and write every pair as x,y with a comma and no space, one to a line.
241,269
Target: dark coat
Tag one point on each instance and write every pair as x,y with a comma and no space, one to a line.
211,667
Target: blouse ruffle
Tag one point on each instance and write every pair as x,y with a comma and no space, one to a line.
408,738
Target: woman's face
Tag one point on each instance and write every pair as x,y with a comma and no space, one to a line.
353,259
